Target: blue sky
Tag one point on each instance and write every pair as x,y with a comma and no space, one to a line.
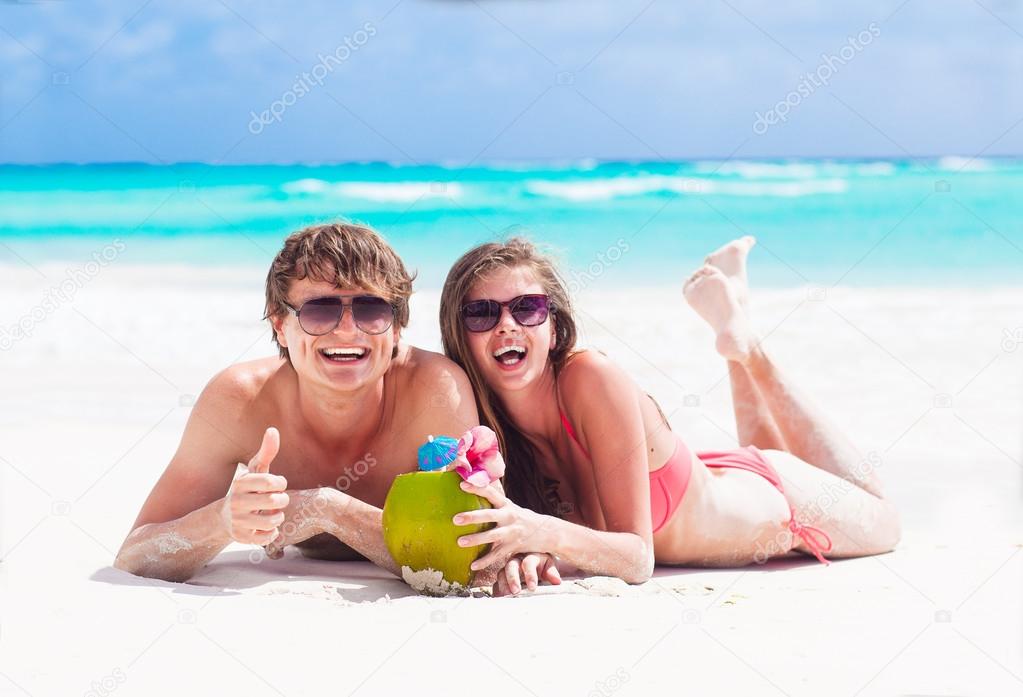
457,80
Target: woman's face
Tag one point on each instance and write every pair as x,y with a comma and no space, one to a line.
509,370
346,358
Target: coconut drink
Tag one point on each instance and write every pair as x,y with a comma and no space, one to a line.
420,506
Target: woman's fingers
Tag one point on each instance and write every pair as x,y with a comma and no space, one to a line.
480,538
489,492
496,556
485,515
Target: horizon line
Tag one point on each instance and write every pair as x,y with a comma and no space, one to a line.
472,164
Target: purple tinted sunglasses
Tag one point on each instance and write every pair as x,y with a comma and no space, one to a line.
320,316
528,310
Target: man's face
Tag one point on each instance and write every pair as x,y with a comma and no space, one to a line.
346,358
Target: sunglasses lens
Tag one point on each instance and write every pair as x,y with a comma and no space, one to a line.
320,316
481,315
373,315
531,310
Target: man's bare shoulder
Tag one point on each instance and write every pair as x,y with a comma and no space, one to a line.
428,368
432,395
244,384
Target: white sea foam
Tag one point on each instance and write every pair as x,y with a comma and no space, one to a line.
797,170
882,169
761,170
622,187
380,192
954,163
306,186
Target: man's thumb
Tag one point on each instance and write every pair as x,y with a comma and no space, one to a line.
267,451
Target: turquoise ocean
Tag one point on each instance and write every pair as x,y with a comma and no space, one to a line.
939,221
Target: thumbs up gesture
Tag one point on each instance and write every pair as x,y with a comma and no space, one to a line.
255,503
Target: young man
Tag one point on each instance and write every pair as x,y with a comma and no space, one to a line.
336,418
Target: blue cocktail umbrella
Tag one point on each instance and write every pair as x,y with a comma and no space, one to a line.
437,453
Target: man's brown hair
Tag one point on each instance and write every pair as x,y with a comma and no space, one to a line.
344,254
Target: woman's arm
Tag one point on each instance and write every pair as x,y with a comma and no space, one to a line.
624,555
520,530
602,402
600,399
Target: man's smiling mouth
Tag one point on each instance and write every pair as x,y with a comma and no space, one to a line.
347,354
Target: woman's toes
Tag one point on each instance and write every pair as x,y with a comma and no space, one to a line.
696,276
704,270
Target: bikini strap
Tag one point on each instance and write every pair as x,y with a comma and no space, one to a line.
815,538
571,432
566,424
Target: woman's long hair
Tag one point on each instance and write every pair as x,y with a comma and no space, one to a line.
523,481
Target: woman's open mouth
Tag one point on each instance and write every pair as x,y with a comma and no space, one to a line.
510,356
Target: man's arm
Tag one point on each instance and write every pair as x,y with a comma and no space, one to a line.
187,519
355,523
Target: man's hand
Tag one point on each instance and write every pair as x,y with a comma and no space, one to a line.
253,507
531,568
309,513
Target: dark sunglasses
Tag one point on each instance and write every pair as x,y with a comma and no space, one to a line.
527,310
321,316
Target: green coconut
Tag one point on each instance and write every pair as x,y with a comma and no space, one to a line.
418,528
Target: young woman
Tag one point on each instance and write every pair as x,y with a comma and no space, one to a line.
597,479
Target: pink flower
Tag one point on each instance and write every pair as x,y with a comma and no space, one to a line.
479,459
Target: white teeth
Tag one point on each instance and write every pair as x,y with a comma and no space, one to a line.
344,352
505,349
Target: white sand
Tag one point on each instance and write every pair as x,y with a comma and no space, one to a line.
95,400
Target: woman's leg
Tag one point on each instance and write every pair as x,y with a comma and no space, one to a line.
808,433
753,418
804,430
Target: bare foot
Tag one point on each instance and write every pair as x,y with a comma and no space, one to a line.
731,259
715,298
